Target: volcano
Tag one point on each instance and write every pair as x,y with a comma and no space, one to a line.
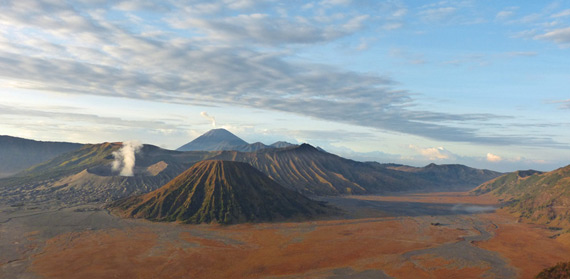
215,139
224,192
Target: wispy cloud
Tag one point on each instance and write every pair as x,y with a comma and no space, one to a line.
54,114
210,53
564,13
502,15
562,104
437,14
560,36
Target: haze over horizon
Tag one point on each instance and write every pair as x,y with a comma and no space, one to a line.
481,84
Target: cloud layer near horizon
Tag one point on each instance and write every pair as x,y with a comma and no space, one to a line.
223,53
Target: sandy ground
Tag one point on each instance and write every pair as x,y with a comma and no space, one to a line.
435,235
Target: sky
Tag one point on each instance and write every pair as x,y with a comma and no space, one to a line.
481,83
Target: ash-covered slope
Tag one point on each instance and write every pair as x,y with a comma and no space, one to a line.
86,175
221,192
534,196
314,172
18,154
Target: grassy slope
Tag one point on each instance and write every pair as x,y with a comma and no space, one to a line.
534,196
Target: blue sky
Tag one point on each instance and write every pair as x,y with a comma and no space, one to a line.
482,83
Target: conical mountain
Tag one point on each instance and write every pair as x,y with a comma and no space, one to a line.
214,140
221,192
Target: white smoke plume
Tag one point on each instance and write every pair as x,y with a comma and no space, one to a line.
125,157
211,118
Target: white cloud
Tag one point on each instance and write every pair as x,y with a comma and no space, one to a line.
502,15
432,153
564,104
506,13
264,29
564,13
560,36
437,14
493,158
392,26
213,55
335,2
400,12
522,53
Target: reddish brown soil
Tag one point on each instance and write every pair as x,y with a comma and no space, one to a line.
529,247
263,250
297,250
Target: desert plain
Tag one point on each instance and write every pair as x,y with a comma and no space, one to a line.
414,235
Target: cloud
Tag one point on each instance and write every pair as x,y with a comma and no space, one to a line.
522,53
437,14
560,36
411,58
564,13
266,29
502,15
506,13
432,153
210,118
335,2
563,104
73,117
392,26
493,158
400,12
212,54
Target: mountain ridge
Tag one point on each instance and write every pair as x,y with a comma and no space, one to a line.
314,172
18,154
224,140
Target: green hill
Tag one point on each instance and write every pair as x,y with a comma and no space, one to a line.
534,196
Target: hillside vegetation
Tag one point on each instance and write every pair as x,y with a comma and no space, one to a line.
534,196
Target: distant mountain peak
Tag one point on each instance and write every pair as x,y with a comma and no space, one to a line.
307,147
214,140
218,132
282,144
